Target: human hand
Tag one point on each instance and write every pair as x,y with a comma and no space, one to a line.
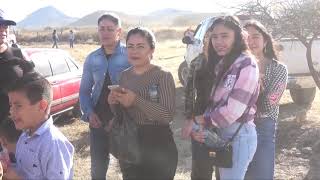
187,128
111,99
94,120
126,97
200,120
4,160
109,125
198,136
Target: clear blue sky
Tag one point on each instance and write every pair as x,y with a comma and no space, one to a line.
19,9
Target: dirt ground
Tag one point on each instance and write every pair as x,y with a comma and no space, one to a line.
298,128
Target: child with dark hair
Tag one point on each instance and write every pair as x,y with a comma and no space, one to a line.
42,151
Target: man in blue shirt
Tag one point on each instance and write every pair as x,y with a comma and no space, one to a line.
102,67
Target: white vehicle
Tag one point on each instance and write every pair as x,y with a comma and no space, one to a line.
300,82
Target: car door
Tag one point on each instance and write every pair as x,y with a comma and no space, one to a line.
75,79
42,65
65,79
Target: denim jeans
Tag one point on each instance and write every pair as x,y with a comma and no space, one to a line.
262,165
244,147
99,151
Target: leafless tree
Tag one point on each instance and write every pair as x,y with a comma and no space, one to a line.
293,18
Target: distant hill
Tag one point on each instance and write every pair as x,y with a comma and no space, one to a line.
92,19
46,17
52,17
163,17
168,12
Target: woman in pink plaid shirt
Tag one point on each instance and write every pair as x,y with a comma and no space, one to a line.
233,97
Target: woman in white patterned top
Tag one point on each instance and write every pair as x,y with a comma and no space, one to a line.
273,82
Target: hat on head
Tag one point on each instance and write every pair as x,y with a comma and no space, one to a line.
4,20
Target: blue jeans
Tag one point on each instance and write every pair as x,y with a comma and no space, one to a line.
99,151
244,147
262,165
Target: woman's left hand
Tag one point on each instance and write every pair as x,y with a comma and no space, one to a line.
126,97
198,136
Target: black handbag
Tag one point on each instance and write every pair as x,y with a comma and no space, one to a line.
219,150
124,143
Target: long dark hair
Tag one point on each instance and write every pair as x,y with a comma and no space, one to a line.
269,50
240,44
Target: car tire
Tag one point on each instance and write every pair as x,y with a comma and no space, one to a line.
303,96
183,73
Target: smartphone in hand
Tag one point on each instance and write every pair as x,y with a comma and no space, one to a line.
112,87
116,88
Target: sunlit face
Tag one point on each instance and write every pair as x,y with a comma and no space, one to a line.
139,50
109,33
222,39
256,41
24,114
4,32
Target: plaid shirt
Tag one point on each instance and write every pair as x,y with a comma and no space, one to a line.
237,89
274,83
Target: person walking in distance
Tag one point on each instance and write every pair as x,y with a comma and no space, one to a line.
55,39
71,38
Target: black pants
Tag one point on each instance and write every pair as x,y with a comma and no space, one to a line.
202,167
159,155
99,151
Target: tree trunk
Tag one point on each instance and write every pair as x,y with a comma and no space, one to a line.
314,73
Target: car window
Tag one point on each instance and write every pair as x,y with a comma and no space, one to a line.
41,64
203,28
197,29
58,65
71,64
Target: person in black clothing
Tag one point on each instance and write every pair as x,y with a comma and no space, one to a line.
199,83
6,53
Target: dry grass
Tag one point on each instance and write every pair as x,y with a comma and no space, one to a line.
89,35
169,54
